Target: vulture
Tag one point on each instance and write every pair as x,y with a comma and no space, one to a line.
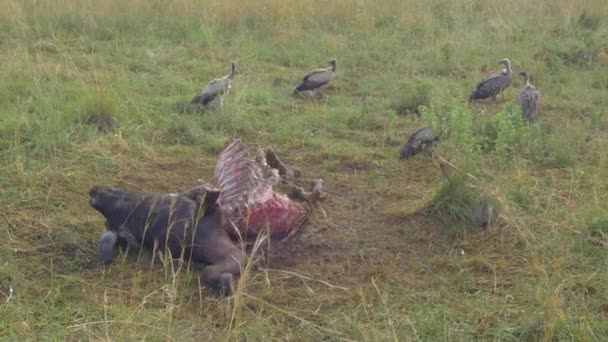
318,79
493,85
529,99
422,139
215,89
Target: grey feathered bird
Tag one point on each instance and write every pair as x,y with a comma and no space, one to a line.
493,85
422,139
529,99
215,89
317,79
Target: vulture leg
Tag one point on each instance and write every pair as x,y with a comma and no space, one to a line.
428,151
322,91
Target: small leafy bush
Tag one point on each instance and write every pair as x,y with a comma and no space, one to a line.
412,97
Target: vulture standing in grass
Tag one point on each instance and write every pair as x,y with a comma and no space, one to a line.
493,85
529,99
215,89
317,80
422,139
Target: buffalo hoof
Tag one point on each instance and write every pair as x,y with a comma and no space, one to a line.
107,247
226,284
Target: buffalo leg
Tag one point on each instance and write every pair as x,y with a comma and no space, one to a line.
220,276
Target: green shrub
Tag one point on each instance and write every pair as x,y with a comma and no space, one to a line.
179,132
412,96
458,142
462,208
99,113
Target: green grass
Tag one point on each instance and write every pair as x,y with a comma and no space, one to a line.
96,93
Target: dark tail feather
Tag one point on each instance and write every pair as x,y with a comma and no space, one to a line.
107,244
198,100
479,95
411,149
406,152
300,88
473,96
529,116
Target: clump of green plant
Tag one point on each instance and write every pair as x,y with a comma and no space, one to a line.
189,108
99,113
506,135
447,51
387,23
575,43
596,222
574,52
589,21
14,132
460,206
508,123
412,96
458,141
502,133
463,208
179,133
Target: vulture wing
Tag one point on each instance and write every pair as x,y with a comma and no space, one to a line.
316,79
491,86
529,100
213,89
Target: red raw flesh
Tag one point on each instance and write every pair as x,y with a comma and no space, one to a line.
247,196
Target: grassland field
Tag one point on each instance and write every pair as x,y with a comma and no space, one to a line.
97,92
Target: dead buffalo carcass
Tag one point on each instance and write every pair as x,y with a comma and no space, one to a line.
188,225
195,224
247,196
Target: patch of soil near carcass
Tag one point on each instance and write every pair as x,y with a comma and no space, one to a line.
347,239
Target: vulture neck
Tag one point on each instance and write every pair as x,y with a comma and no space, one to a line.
527,80
507,69
232,71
